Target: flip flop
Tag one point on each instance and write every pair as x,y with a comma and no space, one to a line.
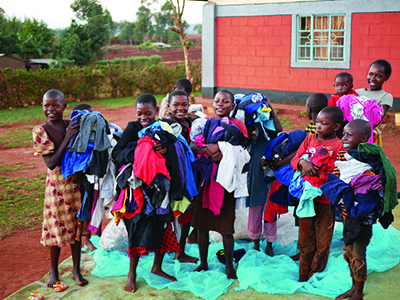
36,296
60,286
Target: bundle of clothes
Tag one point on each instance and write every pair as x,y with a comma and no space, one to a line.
279,196
154,185
230,173
366,187
89,153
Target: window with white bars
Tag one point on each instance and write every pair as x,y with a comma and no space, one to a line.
321,40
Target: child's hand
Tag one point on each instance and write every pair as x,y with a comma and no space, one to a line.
307,168
157,147
72,129
217,156
211,149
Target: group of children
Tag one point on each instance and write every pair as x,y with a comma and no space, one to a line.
188,170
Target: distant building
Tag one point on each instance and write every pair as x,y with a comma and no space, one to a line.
11,62
288,49
16,63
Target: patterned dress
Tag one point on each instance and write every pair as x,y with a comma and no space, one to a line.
62,200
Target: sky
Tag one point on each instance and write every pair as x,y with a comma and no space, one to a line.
58,13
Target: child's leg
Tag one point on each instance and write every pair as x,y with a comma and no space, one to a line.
347,255
254,225
130,285
203,239
324,225
157,267
76,261
228,242
192,238
271,235
182,256
306,244
88,242
356,256
54,258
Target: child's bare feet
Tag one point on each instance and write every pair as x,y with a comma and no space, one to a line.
268,250
295,257
184,258
347,294
89,244
130,285
77,276
230,272
201,267
256,245
352,294
357,296
161,273
53,278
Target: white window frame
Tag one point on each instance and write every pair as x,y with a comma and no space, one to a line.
295,63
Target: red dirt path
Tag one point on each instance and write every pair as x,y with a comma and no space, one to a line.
24,260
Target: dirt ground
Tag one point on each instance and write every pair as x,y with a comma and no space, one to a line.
24,260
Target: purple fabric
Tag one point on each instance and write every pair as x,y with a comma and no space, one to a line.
362,183
355,107
180,152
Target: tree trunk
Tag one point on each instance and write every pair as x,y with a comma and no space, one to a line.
178,11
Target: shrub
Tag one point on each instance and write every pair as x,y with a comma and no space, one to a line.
100,81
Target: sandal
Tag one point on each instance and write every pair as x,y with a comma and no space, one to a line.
60,286
36,296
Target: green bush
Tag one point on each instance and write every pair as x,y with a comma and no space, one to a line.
132,63
26,88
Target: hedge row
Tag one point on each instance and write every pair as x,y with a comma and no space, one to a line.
23,88
131,63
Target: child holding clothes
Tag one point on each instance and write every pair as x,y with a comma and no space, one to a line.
379,72
315,232
343,86
177,109
367,185
215,206
142,182
265,125
61,227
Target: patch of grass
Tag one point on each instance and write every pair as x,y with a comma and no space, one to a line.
285,122
21,203
18,166
34,114
16,137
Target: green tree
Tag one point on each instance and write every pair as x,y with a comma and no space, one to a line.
198,28
82,43
163,20
143,25
127,31
8,35
35,39
74,45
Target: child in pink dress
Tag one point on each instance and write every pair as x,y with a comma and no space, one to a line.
62,202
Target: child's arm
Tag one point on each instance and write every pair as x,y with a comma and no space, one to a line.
302,165
54,159
274,116
212,150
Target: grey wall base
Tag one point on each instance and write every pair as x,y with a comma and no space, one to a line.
276,96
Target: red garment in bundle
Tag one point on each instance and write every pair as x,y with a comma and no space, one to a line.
271,209
148,163
323,159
